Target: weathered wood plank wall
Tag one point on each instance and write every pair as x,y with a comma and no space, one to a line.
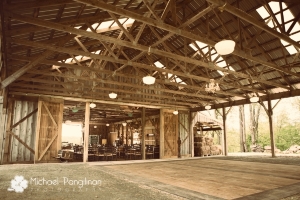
25,131
184,134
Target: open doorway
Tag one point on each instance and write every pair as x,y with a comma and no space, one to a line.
72,134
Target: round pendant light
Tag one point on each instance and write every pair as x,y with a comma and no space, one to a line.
112,95
254,99
107,124
149,80
175,112
124,123
92,105
207,107
225,47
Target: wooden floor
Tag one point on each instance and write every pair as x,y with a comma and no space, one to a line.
213,178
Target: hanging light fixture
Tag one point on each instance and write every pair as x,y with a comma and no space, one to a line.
207,107
254,99
112,95
107,124
124,123
175,112
74,110
225,47
212,86
148,80
92,105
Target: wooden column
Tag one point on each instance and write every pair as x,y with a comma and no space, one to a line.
224,115
270,115
143,134
191,134
86,132
126,135
161,134
37,131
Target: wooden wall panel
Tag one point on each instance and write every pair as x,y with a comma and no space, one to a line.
184,133
25,131
170,135
3,118
48,140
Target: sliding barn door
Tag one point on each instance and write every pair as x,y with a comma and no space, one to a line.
170,135
48,130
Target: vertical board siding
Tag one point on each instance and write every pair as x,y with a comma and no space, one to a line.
184,133
25,131
3,118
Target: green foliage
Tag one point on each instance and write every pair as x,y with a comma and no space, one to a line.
287,136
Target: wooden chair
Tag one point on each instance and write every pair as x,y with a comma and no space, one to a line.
110,152
100,154
129,153
138,154
149,151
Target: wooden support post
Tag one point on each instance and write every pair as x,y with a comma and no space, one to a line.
191,135
270,115
37,132
8,137
161,134
59,127
143,134
86,132
224,115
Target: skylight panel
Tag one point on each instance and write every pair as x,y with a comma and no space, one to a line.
129,21
287,16
231,68
220,72
263,12
295,28
122,20
222,64
158,64
214,56
193,47
295,37
291,49
284,43
275,6
106,24
205,50
201,44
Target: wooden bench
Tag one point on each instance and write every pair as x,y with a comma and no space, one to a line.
66,156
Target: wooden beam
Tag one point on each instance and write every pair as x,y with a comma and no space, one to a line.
245,16
102,71
140,65
24,69
135,46
196,37
36,4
